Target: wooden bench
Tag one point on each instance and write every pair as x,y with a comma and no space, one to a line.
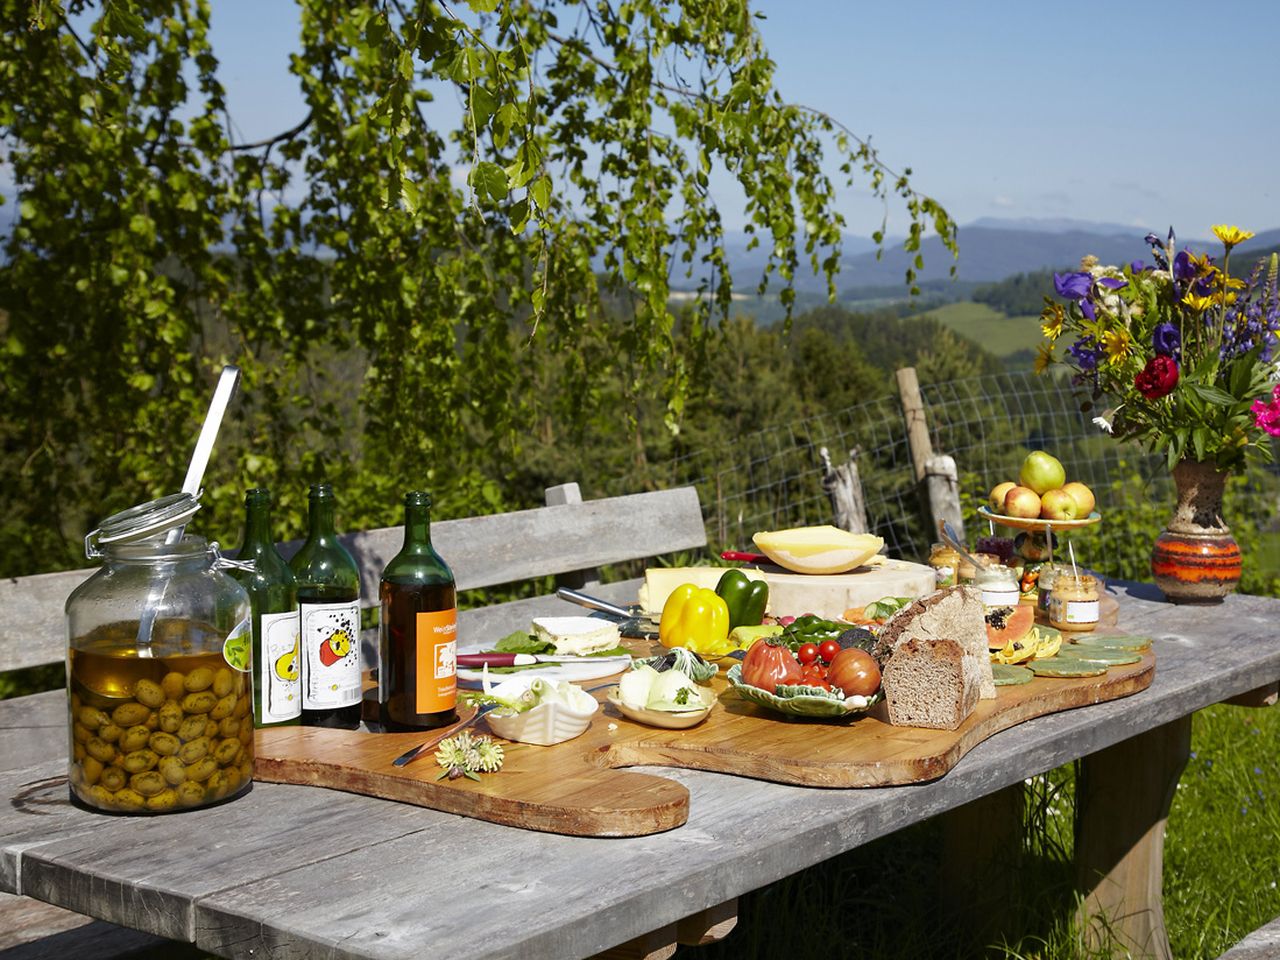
569,538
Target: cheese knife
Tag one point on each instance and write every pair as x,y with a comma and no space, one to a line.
529,659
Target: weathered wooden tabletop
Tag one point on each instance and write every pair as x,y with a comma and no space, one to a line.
295,871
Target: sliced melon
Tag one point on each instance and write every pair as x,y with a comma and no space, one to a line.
1007,625
824,549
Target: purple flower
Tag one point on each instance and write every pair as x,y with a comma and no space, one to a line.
1182,268
1086,307
1073,286
1086,353
1113,283
1166,339
1137,266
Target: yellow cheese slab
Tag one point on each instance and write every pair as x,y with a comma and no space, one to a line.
660,581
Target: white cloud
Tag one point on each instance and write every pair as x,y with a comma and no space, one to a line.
1003,202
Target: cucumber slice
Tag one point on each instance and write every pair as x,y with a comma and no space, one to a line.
1102,655
1058,667
1114,643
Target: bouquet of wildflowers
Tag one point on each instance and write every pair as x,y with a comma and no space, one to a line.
1177,354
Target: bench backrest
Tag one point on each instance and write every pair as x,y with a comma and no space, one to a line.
482,551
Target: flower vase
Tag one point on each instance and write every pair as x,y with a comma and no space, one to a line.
1196,559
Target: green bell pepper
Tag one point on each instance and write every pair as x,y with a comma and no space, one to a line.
746,598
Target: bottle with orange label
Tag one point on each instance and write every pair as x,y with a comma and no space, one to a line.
418,678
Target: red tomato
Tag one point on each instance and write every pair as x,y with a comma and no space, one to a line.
828,650
855,672
768,663
807,653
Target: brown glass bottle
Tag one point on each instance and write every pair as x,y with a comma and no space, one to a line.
417,679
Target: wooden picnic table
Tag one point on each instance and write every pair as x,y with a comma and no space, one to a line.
292,871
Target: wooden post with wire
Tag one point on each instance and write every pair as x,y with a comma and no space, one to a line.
936,474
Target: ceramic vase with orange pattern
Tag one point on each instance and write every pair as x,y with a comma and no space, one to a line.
1196,559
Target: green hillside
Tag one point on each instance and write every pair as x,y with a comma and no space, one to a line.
993,331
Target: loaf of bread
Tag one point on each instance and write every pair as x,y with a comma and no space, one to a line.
926,685
955,613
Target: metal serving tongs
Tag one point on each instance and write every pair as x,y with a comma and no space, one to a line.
631,623
949,536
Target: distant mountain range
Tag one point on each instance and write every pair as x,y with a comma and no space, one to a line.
991,249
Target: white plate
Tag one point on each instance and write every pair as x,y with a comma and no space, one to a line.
471,676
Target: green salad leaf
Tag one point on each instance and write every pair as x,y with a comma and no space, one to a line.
523,642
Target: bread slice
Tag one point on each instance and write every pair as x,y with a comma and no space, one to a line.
955,613
926,684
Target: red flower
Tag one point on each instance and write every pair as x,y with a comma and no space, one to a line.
1158,377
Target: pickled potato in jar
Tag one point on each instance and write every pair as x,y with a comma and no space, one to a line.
140,725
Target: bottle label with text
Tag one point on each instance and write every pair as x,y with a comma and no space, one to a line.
437,633
330,655
280,667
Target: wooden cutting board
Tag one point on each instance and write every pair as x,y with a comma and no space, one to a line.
574,787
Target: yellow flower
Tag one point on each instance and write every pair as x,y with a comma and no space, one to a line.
1044,357
1198,303
1052,319
1201,262
1117,343
1231,235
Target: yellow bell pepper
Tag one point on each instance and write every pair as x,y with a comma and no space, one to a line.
696,618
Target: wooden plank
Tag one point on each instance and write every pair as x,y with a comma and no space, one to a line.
655,945
708,926
33,630
1262,944
31,930
1264,696
918,442
1123,795
543,895
589,577
509,547
980,842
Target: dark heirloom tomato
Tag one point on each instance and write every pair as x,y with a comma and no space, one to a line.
768,663
855,672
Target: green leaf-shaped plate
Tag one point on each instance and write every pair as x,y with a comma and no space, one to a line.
801,701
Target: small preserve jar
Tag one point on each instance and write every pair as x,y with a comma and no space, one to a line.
1044,587
159,693
945,561
999,586
1073,602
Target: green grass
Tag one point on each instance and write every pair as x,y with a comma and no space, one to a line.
993,331
1222,861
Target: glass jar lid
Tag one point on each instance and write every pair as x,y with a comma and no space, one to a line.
996,574
143,522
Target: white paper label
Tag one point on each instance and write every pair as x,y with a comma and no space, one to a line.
1081,611
330,655
1000,597
280,667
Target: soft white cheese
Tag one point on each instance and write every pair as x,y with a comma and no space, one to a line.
577,636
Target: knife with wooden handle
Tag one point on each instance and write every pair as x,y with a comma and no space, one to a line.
529,659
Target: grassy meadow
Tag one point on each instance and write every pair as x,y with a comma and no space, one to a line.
990,329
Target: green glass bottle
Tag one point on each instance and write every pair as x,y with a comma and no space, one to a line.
273,595
418,677
329,607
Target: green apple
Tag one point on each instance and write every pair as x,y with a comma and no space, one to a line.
1041,472
1022,502
1059,505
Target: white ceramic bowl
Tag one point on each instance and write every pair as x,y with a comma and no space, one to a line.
667,719
545,724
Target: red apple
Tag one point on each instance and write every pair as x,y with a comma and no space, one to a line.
1059,505
1083,497
996,498
1022,502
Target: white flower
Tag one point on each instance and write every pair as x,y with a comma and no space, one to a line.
1102,423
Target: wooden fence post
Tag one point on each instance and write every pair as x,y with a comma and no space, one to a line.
844,489
936,475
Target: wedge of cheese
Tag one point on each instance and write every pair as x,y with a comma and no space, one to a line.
824,549
577,636
660,581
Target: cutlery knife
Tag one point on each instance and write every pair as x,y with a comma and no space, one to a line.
528,659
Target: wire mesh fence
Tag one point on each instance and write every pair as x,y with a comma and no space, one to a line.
773,478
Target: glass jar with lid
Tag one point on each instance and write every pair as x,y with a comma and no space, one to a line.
998,585
159,695
945,561
1074,602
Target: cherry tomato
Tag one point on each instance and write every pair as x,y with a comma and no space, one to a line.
855,672
814,672
807,653
828,650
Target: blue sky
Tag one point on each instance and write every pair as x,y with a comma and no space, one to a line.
1146,114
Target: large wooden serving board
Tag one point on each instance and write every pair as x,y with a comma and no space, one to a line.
575,788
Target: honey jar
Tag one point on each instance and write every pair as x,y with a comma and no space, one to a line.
1073,602
945,561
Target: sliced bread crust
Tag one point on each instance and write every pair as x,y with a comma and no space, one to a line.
927,684
955,613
